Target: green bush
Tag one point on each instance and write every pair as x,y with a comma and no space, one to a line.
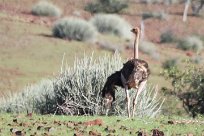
106,6
74,29
170,63
112,24
167,37
188,84
44,8
191,43
157,15
77,91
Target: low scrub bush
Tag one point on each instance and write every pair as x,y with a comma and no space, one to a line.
110,46
35,98
157,15
45,8
112,24
198,60
151,1
167,2
191,43
167,37
106,6
74,29
76,91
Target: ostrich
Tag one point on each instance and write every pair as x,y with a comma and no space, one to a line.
134,74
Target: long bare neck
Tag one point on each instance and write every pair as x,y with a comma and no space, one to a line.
136,44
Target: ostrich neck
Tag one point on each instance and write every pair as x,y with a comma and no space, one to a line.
136,44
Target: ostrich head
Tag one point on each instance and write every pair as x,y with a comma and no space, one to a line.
136,31
108,94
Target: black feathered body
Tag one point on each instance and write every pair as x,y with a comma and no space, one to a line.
133,72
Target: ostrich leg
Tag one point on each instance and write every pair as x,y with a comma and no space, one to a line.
128,100
141,87
127,93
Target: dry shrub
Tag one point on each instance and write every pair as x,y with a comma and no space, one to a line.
191,43
45,8
158,15
106,6
167,37
74,29
112,24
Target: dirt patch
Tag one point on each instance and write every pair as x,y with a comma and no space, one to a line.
98,122
10,72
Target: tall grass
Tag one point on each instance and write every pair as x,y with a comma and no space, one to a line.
74,29
112,24
76,91
45,8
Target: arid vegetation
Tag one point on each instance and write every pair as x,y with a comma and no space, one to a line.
71,46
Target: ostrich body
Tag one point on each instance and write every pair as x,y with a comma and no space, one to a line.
134,74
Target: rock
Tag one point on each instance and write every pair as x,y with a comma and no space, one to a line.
110,130
156,132
94,133
141,133
15,121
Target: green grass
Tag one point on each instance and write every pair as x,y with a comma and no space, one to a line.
63,125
